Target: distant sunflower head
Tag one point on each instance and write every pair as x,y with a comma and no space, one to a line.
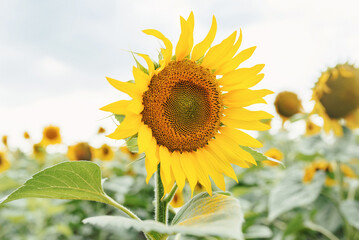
26,135
101,130
336,96
131,155
187,109
4,162
320,165
287,104
311,128
80,151
51,135
39,152
4,140
275,154
177,200
105,153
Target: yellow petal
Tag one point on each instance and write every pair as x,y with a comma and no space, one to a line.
166,160
244,97
201,173
168,51
151,168
185,42
218,51
178,171
119,107
239,152
135,107
127,128
240,75
150,65
126,87
230,151
240,137
152,155
144,138
208,167
250,82
201,48
235,62
141,79
220,161
188,169
247,125
228,56
246,115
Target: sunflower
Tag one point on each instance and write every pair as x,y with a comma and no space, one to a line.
104,153
311,128
101,130
275,154
187,109
4,162
177,200
336,96
4,140
287,104
316,166
26,135
51,135
80,151
39,152
347,171
131,155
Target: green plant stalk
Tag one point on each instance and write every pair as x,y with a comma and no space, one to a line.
122,208
339,176
160,207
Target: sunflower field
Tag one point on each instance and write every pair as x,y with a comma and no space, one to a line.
193,153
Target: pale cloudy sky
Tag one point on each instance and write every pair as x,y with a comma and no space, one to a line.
54,55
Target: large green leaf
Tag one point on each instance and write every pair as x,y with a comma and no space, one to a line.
291,192
67,180
258,231
350,210
218,215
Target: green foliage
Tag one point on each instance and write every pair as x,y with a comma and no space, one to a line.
350,210
69,180
218,215
291,193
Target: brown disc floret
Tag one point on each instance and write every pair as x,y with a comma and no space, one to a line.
182,106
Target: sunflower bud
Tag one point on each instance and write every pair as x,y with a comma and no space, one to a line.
287,104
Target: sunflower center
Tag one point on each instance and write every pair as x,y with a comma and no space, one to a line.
105,150
183,106
51,133
83,152
343,97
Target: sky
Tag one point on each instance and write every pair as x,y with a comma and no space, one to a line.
54,55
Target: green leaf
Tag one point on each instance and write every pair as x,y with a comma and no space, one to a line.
7,183
131,143
218,215
258,231
258,156
295,225
68,180
119,117
350,210
291,192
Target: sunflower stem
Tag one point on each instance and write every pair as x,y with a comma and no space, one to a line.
170,196
161,206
